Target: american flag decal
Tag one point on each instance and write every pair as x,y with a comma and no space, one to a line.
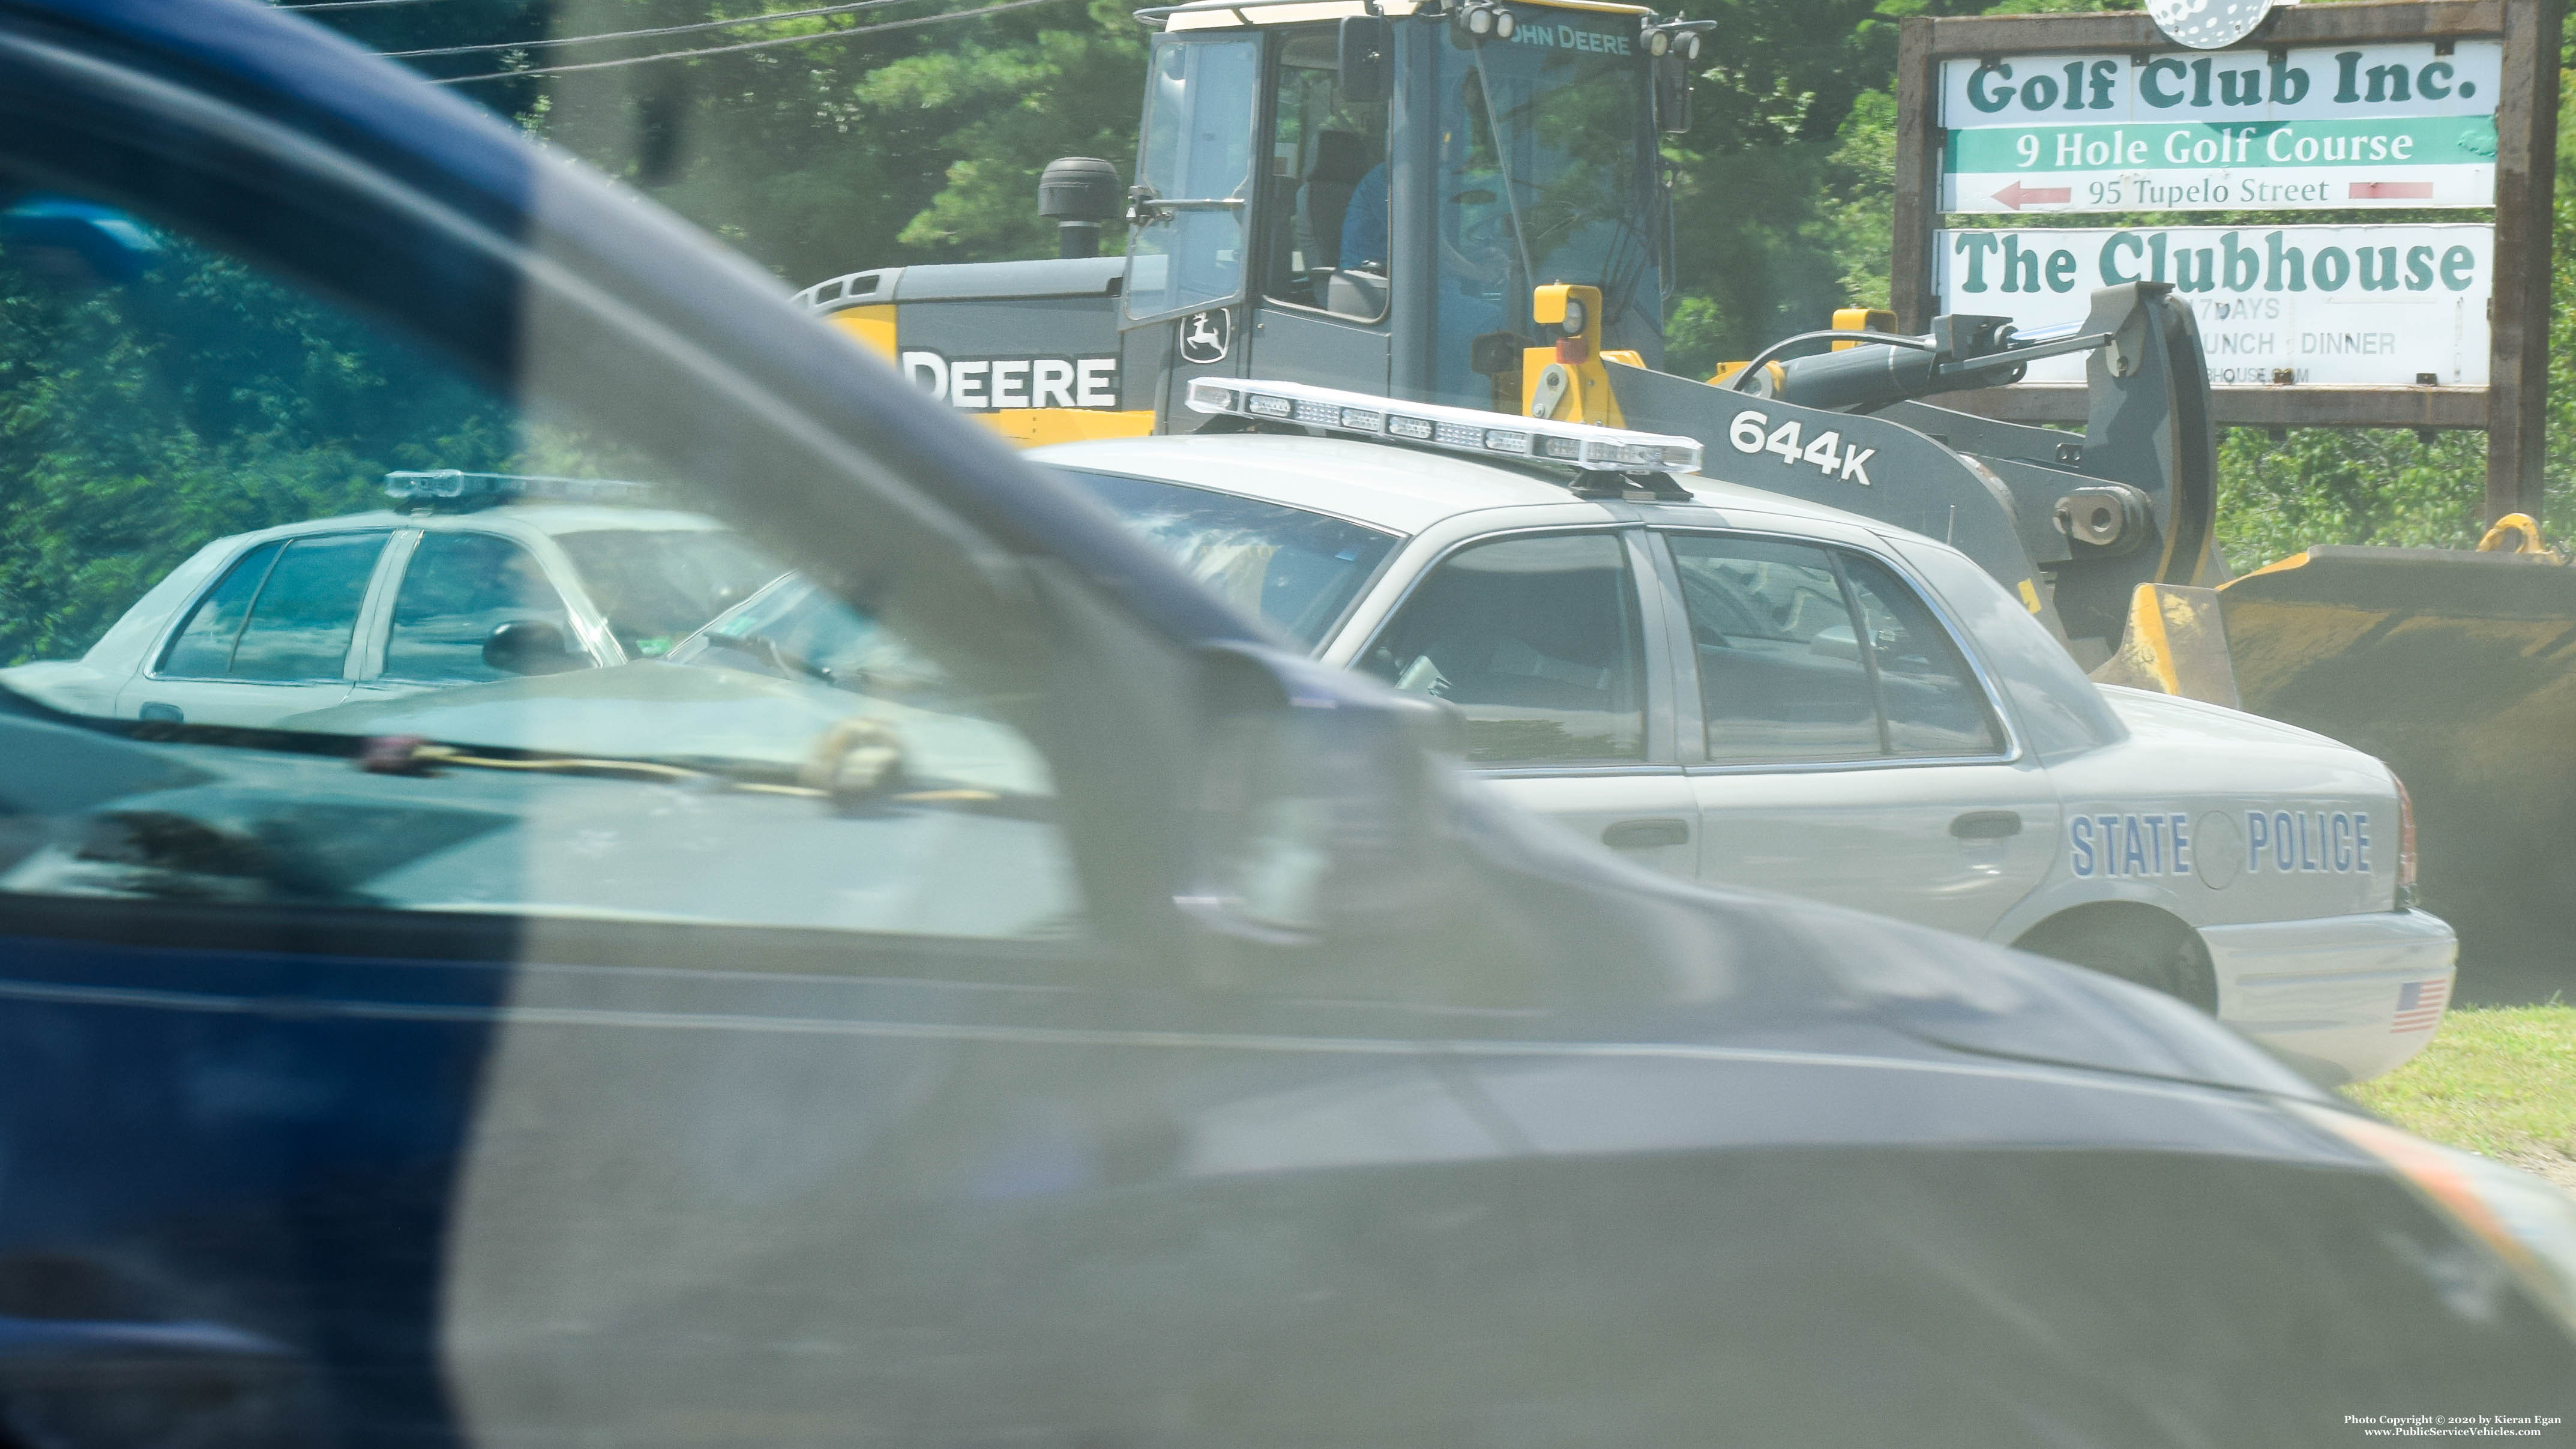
2419,1005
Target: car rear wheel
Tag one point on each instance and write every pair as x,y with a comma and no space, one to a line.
2136,943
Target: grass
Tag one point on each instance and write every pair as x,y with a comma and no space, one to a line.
2499,1081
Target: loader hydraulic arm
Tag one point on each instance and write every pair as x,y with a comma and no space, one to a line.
1961,351
2073,523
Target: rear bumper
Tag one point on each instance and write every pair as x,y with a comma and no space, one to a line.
2352,996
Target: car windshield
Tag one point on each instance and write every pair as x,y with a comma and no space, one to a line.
1295,568
657,585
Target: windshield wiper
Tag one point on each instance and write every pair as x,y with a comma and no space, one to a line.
411,755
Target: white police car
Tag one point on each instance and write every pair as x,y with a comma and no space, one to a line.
1744,689
479,576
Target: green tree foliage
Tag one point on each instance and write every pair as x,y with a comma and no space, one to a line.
2320,485
1759,181
138,422
874,149
1020,105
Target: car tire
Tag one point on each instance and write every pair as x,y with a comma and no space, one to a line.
2138,944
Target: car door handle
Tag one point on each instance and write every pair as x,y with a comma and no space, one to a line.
1986,825
1645,834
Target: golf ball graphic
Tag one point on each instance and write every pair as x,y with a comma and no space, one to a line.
2208,24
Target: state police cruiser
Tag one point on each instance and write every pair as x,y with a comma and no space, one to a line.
471,577
1743,689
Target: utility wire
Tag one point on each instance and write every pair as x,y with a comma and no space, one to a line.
628,34
348,4
459,80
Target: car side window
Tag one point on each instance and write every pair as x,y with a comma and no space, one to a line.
301,623
457,589
301,599
1780,670
1812,655
1537,640
1932,703
203,648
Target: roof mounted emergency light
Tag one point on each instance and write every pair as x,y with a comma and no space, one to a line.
1584,447
456,488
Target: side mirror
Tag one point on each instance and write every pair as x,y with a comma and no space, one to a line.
1672,93
530,646
1366,59
1320,806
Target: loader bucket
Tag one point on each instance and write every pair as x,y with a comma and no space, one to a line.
2459,670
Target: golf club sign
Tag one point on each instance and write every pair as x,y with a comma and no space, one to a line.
2322,128
2298,123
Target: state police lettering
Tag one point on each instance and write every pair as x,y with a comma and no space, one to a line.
2130,845
2285,842
983,384
2126,845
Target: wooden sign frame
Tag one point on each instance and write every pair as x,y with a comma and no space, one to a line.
2512,408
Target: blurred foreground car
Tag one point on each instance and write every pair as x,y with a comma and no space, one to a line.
1227,1075
471,581
1747,689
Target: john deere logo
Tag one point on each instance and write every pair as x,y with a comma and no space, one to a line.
1203,336
2208,24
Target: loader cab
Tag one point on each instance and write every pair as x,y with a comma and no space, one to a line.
1365,195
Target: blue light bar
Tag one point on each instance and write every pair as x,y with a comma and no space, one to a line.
1472,431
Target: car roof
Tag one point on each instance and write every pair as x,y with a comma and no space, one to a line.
549,519
1399,489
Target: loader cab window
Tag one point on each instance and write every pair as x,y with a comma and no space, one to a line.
1327,243
1195,167
1543,177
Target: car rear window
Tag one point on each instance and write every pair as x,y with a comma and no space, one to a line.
1298,570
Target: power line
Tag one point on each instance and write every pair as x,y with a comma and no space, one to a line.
348,4
625,34
457,80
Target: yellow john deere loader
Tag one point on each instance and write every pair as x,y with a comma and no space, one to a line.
1463,202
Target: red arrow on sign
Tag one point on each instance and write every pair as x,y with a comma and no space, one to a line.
2391,191
2016,195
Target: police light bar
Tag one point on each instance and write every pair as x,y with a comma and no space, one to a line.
452,485
1458,430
